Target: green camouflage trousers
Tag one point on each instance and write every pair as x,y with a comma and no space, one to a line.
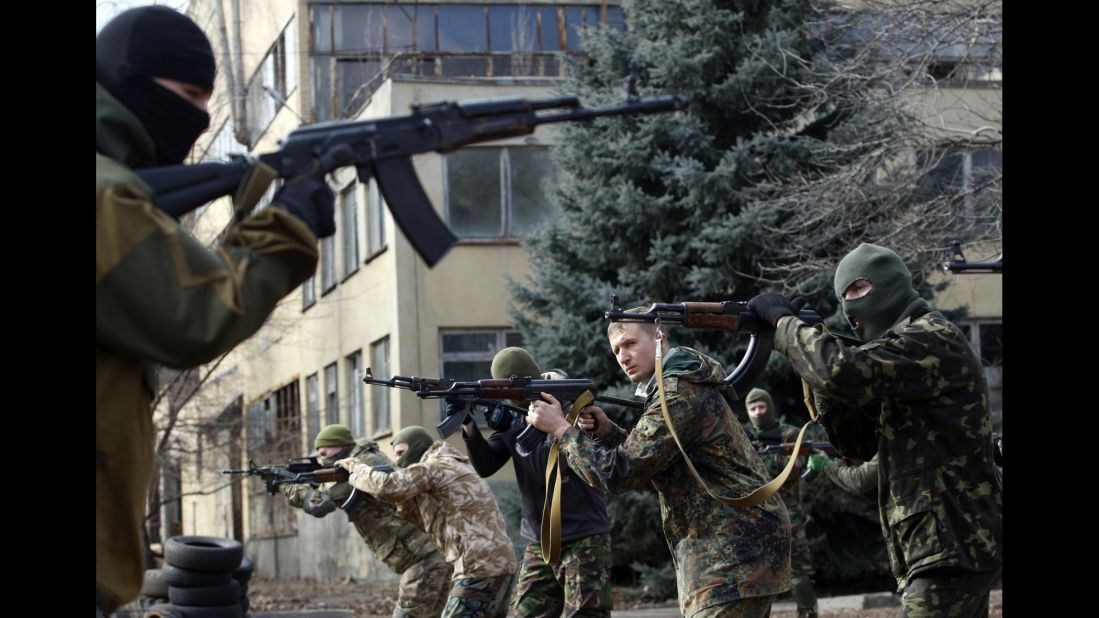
579,585
477,597
423,589
947,593
752,607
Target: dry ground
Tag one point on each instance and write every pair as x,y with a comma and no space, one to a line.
373,600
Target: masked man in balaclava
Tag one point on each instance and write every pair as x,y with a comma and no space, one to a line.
404,548
766,422
162,297
912,390
436,488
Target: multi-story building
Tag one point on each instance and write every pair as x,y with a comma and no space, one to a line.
373,302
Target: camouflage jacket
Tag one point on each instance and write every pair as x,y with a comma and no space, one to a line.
858,479
721,553
377,522
791,489
444,496
162,297
938,493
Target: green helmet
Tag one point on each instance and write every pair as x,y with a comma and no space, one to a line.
418,441
514,362
334,435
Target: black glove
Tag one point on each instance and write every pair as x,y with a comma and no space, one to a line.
310,200
771,306
460,406
318,503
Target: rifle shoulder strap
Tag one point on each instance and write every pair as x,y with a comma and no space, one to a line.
551,508
760,493
252,187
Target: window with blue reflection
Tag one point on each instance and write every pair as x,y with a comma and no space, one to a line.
577,17
358,27
616,18
399,20
512,28
462,28
548,15
322,28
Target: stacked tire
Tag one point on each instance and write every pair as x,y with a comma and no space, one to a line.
206,577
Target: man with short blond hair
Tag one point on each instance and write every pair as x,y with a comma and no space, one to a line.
729,561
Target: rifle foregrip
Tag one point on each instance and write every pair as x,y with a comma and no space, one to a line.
729,323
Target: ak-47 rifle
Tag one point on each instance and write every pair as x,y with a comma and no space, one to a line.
296,470
382,148
518,389
775,442
731,316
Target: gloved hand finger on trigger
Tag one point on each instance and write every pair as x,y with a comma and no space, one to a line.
311,200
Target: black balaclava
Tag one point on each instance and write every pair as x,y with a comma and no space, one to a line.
892,298
156,41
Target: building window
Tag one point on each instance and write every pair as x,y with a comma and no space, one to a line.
331,395
467,355
309,292
354,368
379,396
972,176
497,192
328,264
375,220
274,435
349,228
313,405
355,44
272,82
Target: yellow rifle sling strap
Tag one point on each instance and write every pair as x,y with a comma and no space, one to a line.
760,493
551,509
252,187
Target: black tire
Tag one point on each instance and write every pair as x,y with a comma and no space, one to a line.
206,596
184,611
244,605
244,571
154,585
203,553
187,578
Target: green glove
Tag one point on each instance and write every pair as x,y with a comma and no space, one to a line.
818,463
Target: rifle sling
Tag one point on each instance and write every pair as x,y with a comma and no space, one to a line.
252,187
760,493
551,509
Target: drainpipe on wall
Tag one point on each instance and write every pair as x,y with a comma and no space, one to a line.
233,78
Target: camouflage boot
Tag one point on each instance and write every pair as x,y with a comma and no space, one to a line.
805,596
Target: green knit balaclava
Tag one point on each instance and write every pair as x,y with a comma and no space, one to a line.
892,298
334,435
769,419
418,441
514,362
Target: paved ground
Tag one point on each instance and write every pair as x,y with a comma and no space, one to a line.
351,600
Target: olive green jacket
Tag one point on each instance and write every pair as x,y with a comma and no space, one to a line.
162,297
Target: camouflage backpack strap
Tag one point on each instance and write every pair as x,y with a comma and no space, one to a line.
551,508
760,493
